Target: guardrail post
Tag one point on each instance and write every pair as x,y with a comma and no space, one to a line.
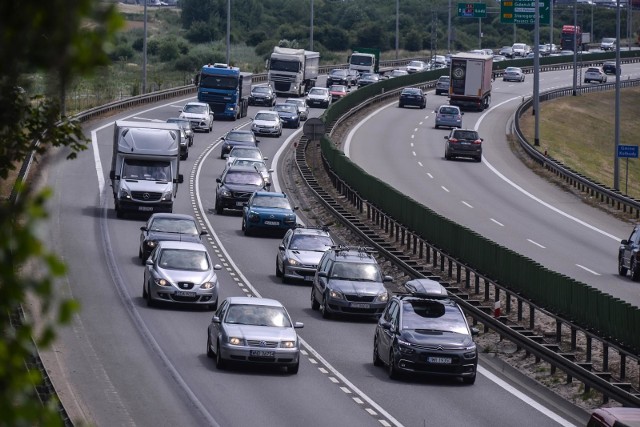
486,290
520,303
532,315
467,278
450,270
558,330
441,261
605,356
421,250
589,348
623,366
574,338
477,284
458,271
508,303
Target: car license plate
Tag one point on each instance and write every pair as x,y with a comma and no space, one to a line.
239,203
185,294
360,305
261,353
272,223
145,208
308,278
441,360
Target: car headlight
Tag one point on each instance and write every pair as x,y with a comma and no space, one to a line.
292,261
124,194
288,344
383,297
235,341
336,294
405,347
208,285
254,216
150,244
167,195
225,193
162,282
290,219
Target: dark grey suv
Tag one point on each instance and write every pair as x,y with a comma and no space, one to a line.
425,332
349,281
629,255
236,185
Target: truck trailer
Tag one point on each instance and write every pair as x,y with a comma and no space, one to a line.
470,83
145,166
226,89
293,71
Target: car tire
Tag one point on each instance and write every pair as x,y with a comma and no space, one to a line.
469,380
119,213
635,271
220,363
437,126
210,353
324,309
447,156
400,105
219,208
144,291
279,272
315,305
392,369
622,270
293,368
479,159
376,357
150,301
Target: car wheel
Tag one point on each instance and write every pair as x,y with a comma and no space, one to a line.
119,213
376,358
635,271
278,271
447,156
150,301
144,291
314,303
219,208
622,270
220,364
400,105
324,309
469,380
437,126
293,369
393,368
209,351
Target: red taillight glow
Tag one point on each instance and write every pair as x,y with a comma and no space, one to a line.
453,140
477,141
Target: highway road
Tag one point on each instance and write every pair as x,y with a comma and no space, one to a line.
122,363
500,198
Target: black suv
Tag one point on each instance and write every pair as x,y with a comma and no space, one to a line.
629,255
262,95
234,138
339,76
236,185
424,331
349,281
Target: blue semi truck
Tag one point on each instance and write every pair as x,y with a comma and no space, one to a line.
226,89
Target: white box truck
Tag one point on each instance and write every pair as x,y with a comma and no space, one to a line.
470,83
145,166
293,71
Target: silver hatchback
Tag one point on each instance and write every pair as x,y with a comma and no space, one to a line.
182,273
448,116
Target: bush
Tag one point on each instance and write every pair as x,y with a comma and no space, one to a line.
200,32
168,50
122,52
256,37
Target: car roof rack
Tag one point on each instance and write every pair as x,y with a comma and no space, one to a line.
426,288
361,250
314,227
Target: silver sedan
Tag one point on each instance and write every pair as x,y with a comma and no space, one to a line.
182,273
513,74
254,330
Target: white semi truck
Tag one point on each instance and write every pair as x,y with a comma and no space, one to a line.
293,71
145,167
470,83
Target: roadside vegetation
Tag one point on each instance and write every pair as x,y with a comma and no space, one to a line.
579,131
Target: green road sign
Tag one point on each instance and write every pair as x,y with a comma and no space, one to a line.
523,12
472,10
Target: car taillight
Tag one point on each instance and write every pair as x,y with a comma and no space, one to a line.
477,141
453,140
459,117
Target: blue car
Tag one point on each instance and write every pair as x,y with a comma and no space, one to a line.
268,211
289,114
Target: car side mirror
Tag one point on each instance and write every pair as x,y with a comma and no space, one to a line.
446,137
475,331
217,267
204,232
322,274
624,242
215,319
218,180
267,184
387,279
180,179
144,228
298,325
461,113
385,325
112,175
281,247
149,261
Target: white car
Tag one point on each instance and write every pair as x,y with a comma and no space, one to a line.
199,115
416,67
267,122
513,74
608,43
520,49
595,74
244,152
319,97
260,165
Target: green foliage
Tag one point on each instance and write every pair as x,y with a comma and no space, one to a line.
49,37
201,32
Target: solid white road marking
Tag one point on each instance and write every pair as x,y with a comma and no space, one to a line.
499,223
536,243
589,270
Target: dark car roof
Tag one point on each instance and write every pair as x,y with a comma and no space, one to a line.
171,216
240,135
411,90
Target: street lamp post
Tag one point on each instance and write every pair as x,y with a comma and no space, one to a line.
397,27
311,29
144,52
449,28
228,32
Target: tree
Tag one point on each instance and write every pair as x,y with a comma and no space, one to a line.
64,39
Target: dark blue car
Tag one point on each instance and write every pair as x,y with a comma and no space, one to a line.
289,114
268,211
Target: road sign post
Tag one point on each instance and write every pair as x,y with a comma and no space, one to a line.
627,152
523,11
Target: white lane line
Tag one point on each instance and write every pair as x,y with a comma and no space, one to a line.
536,243
526,399
420,164
371,411
467,204
420,123
413,136
346,390
497,222
589,270
429,175
414,153
411,144
444,188
525,192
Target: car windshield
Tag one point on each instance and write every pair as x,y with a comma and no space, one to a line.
416,64
356,271
290,108
303,242
338,88
182,259
317,91
268,117
339,73
443,79
299,102
257,315
465,134
511,70
244,177
244,152
410,91
449,110
270,202
252,163
173,225
194,109
240,136
261,89
432,316
146,170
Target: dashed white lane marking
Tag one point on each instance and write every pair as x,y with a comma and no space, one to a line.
420,164
497,222
334,380
445,188
589,270
346,390
414,153
536,243
371,411
429,175
467,204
